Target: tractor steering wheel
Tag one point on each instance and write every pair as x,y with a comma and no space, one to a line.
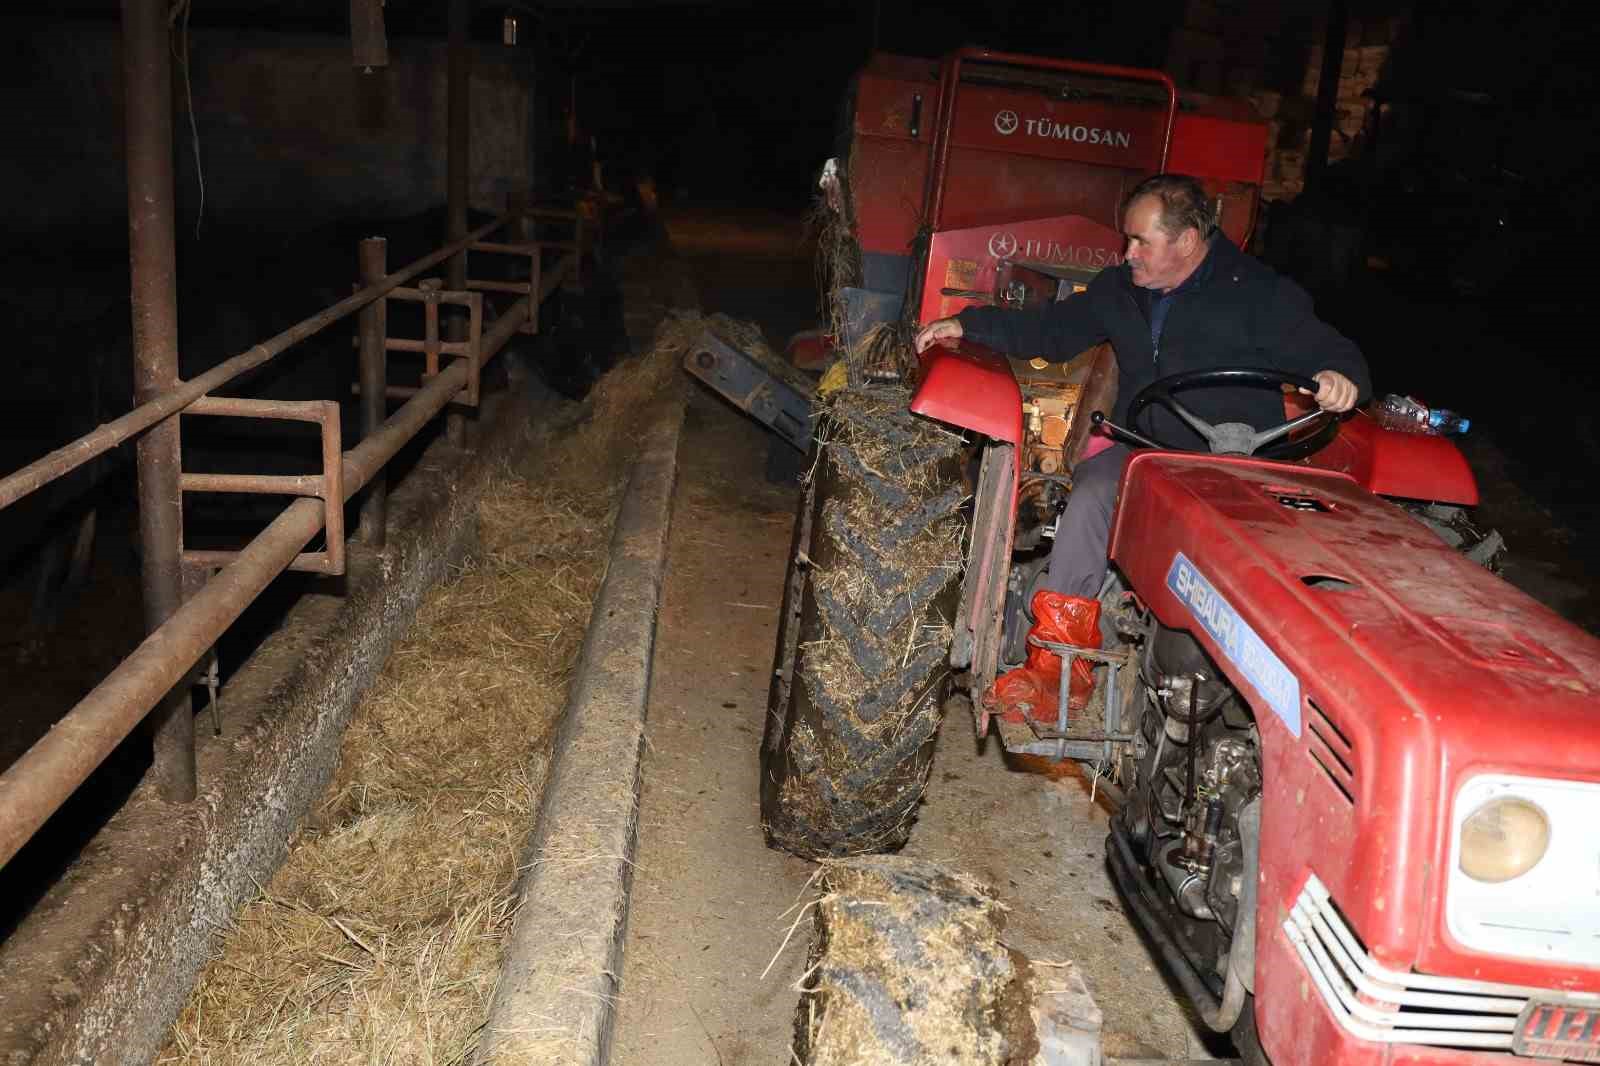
1236,438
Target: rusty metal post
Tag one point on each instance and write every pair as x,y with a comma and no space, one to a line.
458,169
374,261
147,76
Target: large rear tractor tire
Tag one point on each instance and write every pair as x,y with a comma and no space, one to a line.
862,662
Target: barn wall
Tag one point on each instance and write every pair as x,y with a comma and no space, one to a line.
290,132
1272,54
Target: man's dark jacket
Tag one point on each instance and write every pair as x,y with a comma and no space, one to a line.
1234,311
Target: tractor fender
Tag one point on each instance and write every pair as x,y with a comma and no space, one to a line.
966,384
1387,462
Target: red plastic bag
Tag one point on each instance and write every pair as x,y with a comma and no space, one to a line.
1031,689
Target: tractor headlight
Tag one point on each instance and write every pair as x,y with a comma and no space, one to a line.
1503,839
1524,869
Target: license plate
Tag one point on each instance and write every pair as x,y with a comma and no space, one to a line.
1555,1029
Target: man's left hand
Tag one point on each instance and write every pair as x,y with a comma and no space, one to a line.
1336,393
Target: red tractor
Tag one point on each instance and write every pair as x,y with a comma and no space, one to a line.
1357,775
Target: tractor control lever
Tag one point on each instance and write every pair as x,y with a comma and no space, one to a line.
1102,422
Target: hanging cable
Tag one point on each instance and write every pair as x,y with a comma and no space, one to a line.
178,20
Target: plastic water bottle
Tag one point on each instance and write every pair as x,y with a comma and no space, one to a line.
1442,421
1402,413
1408,416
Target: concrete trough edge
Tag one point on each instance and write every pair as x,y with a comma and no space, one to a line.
553,1002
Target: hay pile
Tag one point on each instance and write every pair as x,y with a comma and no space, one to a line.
379,939
832,221
619,408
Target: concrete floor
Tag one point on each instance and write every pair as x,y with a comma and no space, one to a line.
708,896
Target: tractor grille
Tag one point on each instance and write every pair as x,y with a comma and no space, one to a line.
1332,751
1374,1003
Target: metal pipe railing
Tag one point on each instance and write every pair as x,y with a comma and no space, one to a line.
118,431
39,782
522,311
183,631
33,787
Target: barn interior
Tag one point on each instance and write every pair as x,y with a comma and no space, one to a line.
192,181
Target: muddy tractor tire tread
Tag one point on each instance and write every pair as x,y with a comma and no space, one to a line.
907,966
863,657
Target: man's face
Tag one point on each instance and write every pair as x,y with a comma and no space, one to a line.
1157,260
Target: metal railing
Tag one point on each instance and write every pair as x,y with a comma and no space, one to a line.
47,774
191,597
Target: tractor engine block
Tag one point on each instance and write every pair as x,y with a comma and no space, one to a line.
1202,766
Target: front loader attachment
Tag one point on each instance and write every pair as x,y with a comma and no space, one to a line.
781,403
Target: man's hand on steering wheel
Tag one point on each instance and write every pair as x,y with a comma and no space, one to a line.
1335,393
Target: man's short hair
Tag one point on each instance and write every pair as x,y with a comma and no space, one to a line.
1183,204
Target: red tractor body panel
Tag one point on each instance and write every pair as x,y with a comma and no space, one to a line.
1020,150
1385,462
888,161
1013,121
1414,466
970,386
1221,139
1018,154
970,260
1296,1030
1392,669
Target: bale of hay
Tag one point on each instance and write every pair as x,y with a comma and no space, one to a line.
907,966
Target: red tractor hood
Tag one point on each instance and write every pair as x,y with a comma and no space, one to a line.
1384,668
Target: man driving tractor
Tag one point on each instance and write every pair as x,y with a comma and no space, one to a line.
1184,299
1314,709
